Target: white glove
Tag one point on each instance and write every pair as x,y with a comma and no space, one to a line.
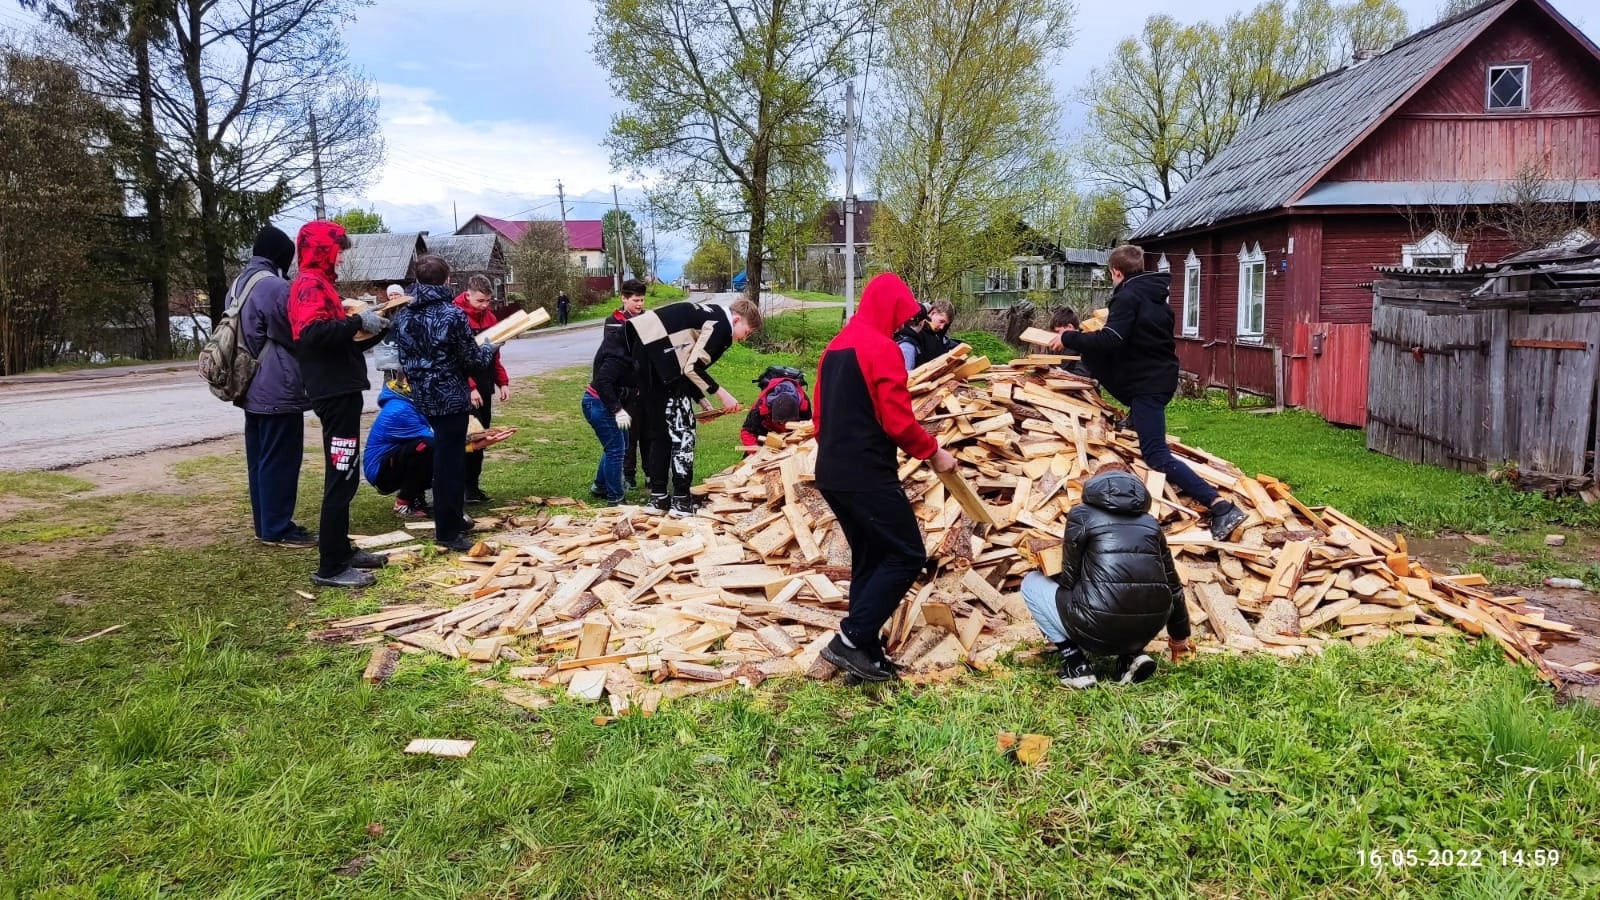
624,421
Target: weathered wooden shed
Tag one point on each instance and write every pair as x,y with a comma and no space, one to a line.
1493,367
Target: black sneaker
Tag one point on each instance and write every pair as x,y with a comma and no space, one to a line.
682,508
1225,520
1075,673
455,545
476,495
596,492
297,539
1134,669
856,661
349,578
366,559
468,524
659,505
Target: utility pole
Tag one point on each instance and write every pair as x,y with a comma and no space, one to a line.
316,168
561,194
622,247
849,201
655,257
455,215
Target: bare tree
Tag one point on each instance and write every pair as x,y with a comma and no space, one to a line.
543,266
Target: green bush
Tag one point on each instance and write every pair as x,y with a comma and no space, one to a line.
985,343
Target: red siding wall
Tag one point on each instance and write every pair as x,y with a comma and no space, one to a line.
1444,132
1353,244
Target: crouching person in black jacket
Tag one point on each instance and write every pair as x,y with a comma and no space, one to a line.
1118,586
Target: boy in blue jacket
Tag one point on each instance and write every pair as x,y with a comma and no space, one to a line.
399,453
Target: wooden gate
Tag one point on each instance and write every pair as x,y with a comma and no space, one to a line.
1330,371
1472,389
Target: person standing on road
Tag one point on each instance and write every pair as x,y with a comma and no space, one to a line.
610,394
335,375
862,414
275,402
485,382
1135,358
439,354
563,307
674,348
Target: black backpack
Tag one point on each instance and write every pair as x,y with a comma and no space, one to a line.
775,372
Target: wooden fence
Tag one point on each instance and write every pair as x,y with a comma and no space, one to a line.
1474,389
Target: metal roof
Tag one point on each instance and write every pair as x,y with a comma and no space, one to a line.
582,234
1298,137
381,257
1426,193
468,252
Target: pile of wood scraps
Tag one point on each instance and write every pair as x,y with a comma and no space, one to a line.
637,607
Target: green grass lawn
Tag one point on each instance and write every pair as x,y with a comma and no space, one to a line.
209,750
813,296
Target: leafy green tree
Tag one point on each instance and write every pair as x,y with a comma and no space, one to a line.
966,109
713,262
729,103
361,221
632,241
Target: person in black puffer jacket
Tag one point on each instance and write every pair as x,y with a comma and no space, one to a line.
1135,357
438,353
1118,585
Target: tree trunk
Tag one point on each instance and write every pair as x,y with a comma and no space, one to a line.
758,232
155,214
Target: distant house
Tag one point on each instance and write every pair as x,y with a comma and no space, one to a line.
375,261
1062,276
472,254
586,245
822,269
1272,246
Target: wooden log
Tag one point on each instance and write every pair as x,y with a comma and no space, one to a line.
385,658
967,497
777,640
1224,619
593,638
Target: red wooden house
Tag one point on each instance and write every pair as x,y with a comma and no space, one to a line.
1272,246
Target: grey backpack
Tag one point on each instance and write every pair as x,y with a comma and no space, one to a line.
226,364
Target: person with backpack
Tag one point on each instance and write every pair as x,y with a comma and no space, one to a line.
439,355
610,394
1118,586
782,400
335,375
926,337
399,455
274,401
486,382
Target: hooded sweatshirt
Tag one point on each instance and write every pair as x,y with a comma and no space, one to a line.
437,351
1135,354
398,423
861,408
277,388
614,381
482,320
1118,585
324,336
677,344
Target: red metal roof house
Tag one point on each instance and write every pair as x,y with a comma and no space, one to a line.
1272,246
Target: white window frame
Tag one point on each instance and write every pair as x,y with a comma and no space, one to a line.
1162,265
1488,87
1436,245
1191,295
1252,324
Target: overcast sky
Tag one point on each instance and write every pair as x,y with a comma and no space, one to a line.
487,103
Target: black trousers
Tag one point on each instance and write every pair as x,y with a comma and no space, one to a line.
886,554
408,471
638,441
483,414
274,446
1147,416
341,457
668,444
449,471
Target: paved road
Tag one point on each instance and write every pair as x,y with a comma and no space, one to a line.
68,419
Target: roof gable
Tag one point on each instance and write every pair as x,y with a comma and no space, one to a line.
381,257
582,234
1311,128
468,252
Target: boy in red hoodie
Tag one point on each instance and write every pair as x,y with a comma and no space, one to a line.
862,413
486,381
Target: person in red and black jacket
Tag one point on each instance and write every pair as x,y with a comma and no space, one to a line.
486,381
783,400
335,374
862,412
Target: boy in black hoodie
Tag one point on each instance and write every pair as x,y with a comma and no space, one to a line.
1118,586
1135,357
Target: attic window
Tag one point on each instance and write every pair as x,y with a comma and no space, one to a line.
1508,87
1436,251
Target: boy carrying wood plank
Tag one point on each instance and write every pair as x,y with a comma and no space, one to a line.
1135,357
1118,585
862,412
674,348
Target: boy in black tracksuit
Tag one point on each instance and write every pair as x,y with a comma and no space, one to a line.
1118,585
674,348
609,402
335,374
1135,357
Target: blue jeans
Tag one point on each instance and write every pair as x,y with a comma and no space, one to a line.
274,445
1147,416
1039,594
613,447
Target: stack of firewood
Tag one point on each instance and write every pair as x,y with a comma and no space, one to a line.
639,606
